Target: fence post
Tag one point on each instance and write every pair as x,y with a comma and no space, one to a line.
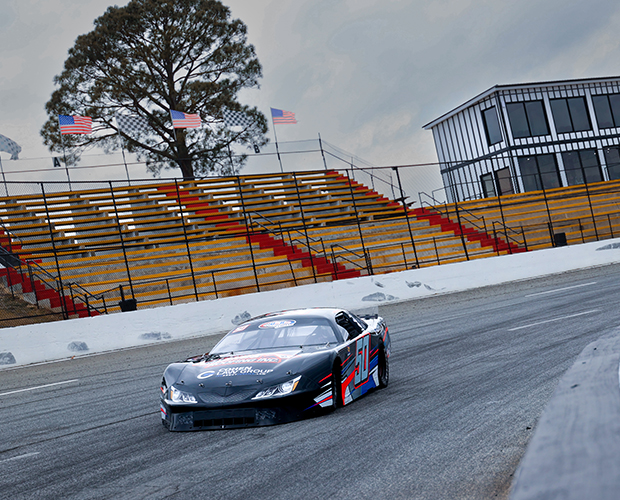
120,235
214,284
368,260
34,289
611,229
436,252
458,219
61,291
402,199
501,209
189,253
548,213
335,264
357,219
303,222
551,233
247,233
169,292
591,207
290,265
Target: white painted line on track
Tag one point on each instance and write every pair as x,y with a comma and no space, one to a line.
561,289
38,387
27,455
554,319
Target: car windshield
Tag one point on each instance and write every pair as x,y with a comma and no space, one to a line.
274,333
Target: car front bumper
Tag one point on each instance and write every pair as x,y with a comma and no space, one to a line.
272,412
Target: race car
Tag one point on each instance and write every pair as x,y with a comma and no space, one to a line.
276,368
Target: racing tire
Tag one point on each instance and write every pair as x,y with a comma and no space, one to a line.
336,386
384,369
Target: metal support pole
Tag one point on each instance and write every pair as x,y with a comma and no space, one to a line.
591,207
214,284
6,189
322,152
61,292
189,253
168,288
120,235
290,265
247,233
303,221
359,225
458,219
548,213
335,263
402,198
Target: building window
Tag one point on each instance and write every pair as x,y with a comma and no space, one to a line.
527,119
504,181
539,172
491,126
488,185
612,159
497,181
570,115
582,167
607,110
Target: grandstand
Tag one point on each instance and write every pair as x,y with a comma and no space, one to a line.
101,250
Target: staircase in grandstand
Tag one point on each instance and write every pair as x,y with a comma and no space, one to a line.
167,242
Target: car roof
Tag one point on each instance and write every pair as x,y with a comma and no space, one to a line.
314,312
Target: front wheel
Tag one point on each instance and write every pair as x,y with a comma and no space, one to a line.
384,369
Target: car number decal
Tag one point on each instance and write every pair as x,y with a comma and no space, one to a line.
361,359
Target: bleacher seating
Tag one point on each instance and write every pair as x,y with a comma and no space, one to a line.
168,242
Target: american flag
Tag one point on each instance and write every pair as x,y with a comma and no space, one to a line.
281,116
184,120
75,124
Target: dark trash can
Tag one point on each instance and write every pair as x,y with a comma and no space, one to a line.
128,305
559,239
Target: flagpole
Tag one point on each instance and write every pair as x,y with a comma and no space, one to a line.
64,154
232,165
120,138
276,138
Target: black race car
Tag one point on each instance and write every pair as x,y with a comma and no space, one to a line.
277,368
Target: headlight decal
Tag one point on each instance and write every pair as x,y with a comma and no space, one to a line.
282,389
178,396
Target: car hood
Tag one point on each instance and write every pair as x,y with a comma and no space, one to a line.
248,369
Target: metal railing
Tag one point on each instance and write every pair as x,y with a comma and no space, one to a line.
362,252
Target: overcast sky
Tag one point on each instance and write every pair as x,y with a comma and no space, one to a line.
365,74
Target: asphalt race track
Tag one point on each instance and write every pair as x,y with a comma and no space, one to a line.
470,375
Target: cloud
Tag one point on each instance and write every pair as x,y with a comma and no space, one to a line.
366,74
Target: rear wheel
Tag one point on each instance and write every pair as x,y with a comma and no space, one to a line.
336,386
384,369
